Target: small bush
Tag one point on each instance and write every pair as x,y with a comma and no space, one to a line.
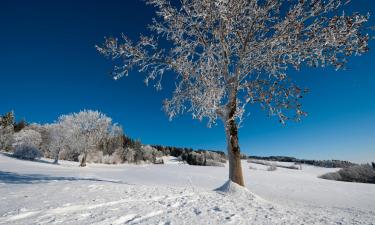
272,167
68,154
27,152
94,157
252,168
292,167
112,159
211,162
331,176
159,161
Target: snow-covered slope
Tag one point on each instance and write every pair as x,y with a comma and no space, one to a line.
43,193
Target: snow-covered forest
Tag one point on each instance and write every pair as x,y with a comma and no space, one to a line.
90,136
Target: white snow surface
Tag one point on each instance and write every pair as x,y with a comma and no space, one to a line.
43,193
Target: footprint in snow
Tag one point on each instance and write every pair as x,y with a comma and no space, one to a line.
197,211
217,209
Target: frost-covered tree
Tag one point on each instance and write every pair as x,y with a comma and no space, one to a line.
85,131
229,54
57,139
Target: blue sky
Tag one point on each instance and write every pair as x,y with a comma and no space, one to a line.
49,67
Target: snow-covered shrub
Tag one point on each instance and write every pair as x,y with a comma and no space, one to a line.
27,152
26,143
331,176
271,167
252,168
159,161
260,162
112,159
126,154
210,162
360,173
215,156
196,158
149,154
203,158
45,146
69,154
94,157
27,137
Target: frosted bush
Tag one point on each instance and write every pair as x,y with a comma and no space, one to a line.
26,144
210,162
159,160
94,157
69,154
331,176
27,152
112,159
28,138
252,168
272,167
360,173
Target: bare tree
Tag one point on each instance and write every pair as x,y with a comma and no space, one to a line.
228,54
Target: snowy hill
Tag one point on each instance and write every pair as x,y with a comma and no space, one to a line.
174,193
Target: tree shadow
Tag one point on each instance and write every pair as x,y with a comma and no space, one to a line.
16,178
8,154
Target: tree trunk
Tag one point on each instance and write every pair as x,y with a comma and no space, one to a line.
56,158
83,160
233,148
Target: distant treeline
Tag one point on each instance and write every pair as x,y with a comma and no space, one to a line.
194,157
320,163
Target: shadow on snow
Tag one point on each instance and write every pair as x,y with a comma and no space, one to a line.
16,178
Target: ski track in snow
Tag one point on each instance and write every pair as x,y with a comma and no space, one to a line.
31,199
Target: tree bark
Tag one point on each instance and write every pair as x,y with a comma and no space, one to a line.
83,160
56,157
233,148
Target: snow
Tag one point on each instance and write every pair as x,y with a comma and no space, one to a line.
40,192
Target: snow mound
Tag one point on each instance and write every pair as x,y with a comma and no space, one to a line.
230,187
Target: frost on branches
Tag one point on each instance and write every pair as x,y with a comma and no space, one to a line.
230,54
26,144
83,132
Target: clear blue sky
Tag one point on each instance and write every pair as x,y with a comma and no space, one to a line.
49,67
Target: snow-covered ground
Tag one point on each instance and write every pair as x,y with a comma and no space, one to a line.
175,193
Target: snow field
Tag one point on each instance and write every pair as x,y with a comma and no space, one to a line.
43,193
